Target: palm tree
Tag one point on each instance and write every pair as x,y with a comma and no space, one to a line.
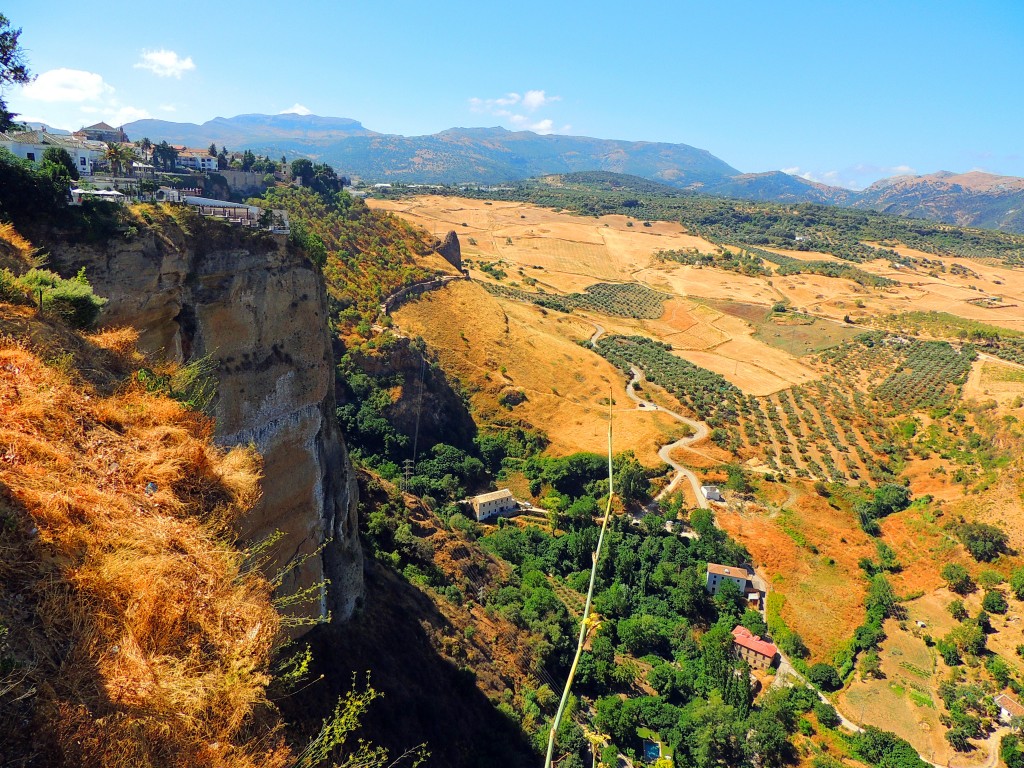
120,157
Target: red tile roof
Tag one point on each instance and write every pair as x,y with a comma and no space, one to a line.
742,637
1011,706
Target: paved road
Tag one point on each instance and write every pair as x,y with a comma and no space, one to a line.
700,431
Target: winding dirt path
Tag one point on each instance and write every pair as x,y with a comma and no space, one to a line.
700,431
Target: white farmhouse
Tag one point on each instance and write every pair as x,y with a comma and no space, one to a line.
495,503
719,574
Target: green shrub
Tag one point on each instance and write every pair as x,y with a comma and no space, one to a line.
985,542
826,714
994,602
71,299
11,290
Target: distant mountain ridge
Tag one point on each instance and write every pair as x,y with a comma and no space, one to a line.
973,199
497,155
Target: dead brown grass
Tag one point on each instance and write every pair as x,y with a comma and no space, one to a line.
15,251
139,639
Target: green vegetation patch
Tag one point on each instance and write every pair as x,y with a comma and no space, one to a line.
739,261
706,393
930,375
615,299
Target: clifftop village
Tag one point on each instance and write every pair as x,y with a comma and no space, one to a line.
109,167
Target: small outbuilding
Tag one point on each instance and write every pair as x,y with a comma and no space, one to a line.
711,493
1009,708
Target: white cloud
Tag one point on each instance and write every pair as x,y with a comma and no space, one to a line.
168,108
57,85
164,63
534,100
296,109
518,110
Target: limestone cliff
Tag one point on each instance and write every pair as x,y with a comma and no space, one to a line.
259,308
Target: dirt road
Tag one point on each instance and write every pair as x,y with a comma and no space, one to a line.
700,431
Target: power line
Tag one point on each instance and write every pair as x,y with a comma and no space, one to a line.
585,618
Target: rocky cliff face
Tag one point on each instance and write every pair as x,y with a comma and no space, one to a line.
259,308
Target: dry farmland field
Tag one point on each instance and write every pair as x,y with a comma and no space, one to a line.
821,388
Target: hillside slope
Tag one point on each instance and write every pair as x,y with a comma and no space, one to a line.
131,632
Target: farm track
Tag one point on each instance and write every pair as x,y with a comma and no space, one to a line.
700,431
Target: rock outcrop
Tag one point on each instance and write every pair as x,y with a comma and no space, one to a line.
258,307
451,250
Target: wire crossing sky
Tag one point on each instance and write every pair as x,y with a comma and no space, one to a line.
844,93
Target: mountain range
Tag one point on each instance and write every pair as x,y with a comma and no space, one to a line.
497,155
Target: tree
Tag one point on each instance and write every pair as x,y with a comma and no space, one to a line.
958,579
59,156
887,559
826,714
871,665
1017,583
13,70
985,542
212,151
631,481
302,168
994,602
1011,751
165,156
957,610
753,621
120,157
825,677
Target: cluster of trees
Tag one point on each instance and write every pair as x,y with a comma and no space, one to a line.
930,375
616,299
320,177
366,254
787,265
740,261
705,392
28,190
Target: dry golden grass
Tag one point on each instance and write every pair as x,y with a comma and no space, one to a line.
490,344
133,621
16,252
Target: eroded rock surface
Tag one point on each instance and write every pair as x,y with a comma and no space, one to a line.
258,307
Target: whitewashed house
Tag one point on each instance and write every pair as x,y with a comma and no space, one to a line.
30,145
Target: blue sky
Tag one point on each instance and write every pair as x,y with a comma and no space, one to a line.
841,92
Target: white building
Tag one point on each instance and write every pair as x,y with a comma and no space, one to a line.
495,503
197,160
1008,708
711,493
719,574
30,145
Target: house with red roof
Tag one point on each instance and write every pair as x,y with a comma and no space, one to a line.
758,653
1009,708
